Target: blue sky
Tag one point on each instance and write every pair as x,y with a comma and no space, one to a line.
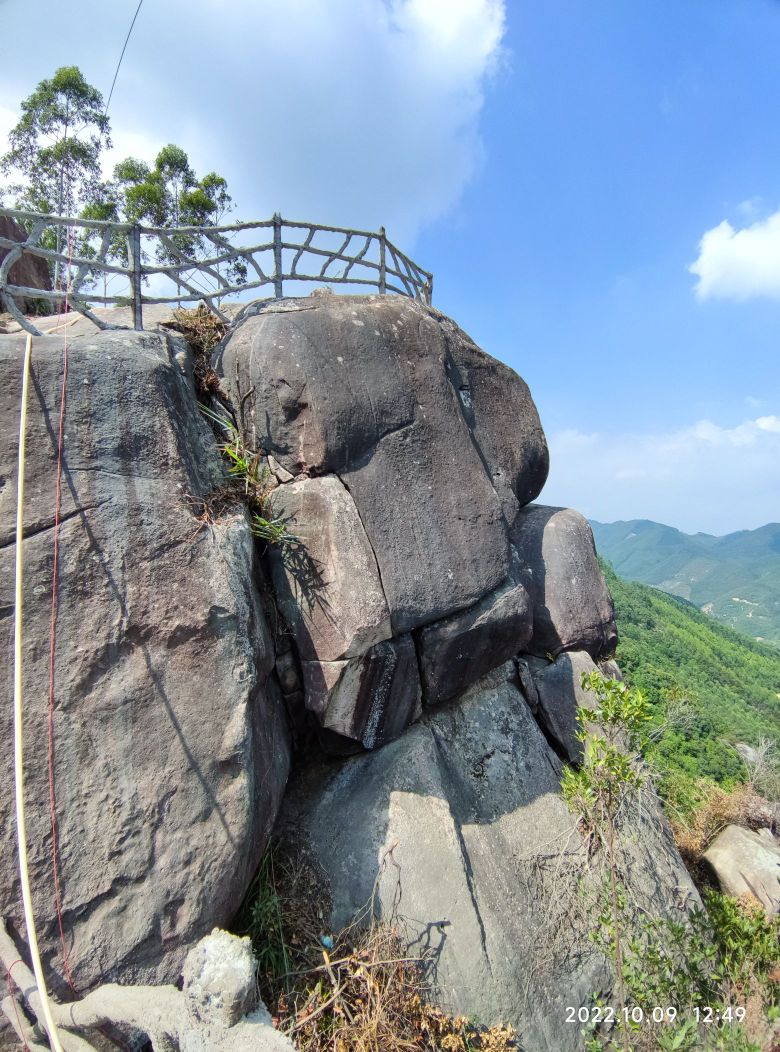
556,165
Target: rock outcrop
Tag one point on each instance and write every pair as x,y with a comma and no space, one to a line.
745,862
412,458
432,620
477,858
171,742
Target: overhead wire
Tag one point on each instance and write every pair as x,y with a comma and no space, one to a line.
119,63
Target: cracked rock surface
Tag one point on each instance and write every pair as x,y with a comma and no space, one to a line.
412,458
171,751
478,858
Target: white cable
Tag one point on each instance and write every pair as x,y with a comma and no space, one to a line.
21,827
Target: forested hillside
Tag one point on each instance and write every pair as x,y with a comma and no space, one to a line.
672,651
735,578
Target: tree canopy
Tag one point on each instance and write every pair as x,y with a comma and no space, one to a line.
55,147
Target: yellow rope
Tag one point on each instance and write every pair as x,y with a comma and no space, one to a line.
21,827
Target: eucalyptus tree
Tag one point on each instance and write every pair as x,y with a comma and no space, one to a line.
170,194
53,162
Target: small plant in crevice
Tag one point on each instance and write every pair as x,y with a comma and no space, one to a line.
712,973
250,482
355,990
203,330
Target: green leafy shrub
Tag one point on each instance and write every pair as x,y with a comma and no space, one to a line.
719,958
250,481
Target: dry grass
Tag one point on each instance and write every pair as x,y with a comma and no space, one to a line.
203,331
209,510
717,809
352,991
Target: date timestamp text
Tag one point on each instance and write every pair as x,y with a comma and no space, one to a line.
607,1014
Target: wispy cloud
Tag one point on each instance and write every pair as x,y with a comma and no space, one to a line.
357,112
702,477
739,264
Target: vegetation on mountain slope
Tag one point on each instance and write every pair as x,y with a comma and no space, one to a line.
735,578
719,686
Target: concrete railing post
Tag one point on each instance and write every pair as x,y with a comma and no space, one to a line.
382,262
278,291
136,275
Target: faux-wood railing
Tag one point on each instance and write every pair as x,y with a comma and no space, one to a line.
188,264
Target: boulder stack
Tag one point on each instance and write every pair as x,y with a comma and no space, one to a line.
413,458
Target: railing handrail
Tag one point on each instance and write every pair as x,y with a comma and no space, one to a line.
391,271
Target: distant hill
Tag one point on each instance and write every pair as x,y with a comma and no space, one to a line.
667,647
735,578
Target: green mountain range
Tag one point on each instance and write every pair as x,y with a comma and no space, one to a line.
669,649
735,578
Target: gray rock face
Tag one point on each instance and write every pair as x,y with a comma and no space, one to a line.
465,813
424,451
747,863
456,652
572,606
557,692
329,590
503,421
361,387
171,753
369,699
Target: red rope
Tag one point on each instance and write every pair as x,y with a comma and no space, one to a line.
11,984
53,635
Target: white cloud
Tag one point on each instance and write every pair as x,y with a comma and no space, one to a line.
739,264
703,477
355,112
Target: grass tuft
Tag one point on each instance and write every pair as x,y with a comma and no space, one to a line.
250,481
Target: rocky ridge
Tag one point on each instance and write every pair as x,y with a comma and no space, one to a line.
432,626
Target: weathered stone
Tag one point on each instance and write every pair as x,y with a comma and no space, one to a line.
464,812
369,699
559,691
328,589
456,652
171,753
572,605
503,420
747,863
360,386
218,978
281,474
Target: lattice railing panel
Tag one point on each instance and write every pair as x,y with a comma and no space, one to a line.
115,264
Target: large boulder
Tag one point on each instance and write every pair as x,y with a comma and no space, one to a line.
328,588
407,458
369,699
572,606
456,652
170,743
747,863
476,858
555,693
367,388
